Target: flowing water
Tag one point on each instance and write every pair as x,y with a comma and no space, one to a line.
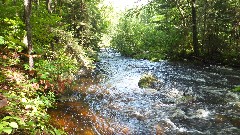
190,100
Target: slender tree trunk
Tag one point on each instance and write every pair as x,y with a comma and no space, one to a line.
27,15
48,4
194,29
14,2
204,25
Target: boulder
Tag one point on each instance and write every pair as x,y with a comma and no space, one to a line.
149,81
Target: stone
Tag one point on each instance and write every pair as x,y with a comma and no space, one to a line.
149,81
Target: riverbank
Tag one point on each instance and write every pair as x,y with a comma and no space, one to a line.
24,98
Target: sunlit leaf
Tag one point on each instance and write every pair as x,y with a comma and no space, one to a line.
7,117
31,123
4,123
7,130
1,40
13,125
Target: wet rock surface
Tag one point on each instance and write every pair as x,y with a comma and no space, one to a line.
148,80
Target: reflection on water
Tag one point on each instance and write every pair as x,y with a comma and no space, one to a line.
192,99
75,117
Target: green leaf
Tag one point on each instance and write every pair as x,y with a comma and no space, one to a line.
26,66
4,123
45,75
13,125
7,130
30,123
52,132
1,40
236,89
21,122
58,132
7,117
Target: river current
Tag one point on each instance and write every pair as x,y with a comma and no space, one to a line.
191,99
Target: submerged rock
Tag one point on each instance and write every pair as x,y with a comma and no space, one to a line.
159,130
235,104
201,113
231,97
138,116
179,114
229,131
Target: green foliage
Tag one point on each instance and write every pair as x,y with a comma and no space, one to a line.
8,124
27,109
236,89
2,77
138,37
1,40
60,65
11,26
25,112
138,40
68,45
163,30
12,33
85,21
62,51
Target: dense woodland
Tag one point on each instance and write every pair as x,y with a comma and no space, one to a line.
204,31
44,43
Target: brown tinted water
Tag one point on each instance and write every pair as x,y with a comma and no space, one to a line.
192,99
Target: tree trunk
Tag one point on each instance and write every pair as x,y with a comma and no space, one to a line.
204,31
14,2
194,29
48,4
27,15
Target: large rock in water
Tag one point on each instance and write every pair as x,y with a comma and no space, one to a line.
149,81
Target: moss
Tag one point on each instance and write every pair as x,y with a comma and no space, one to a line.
236,89
148,81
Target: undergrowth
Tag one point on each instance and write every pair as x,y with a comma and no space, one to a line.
23,100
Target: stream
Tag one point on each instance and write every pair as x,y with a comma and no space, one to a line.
190,100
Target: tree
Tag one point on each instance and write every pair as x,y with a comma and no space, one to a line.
48,4
207,29
194,28
27,15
